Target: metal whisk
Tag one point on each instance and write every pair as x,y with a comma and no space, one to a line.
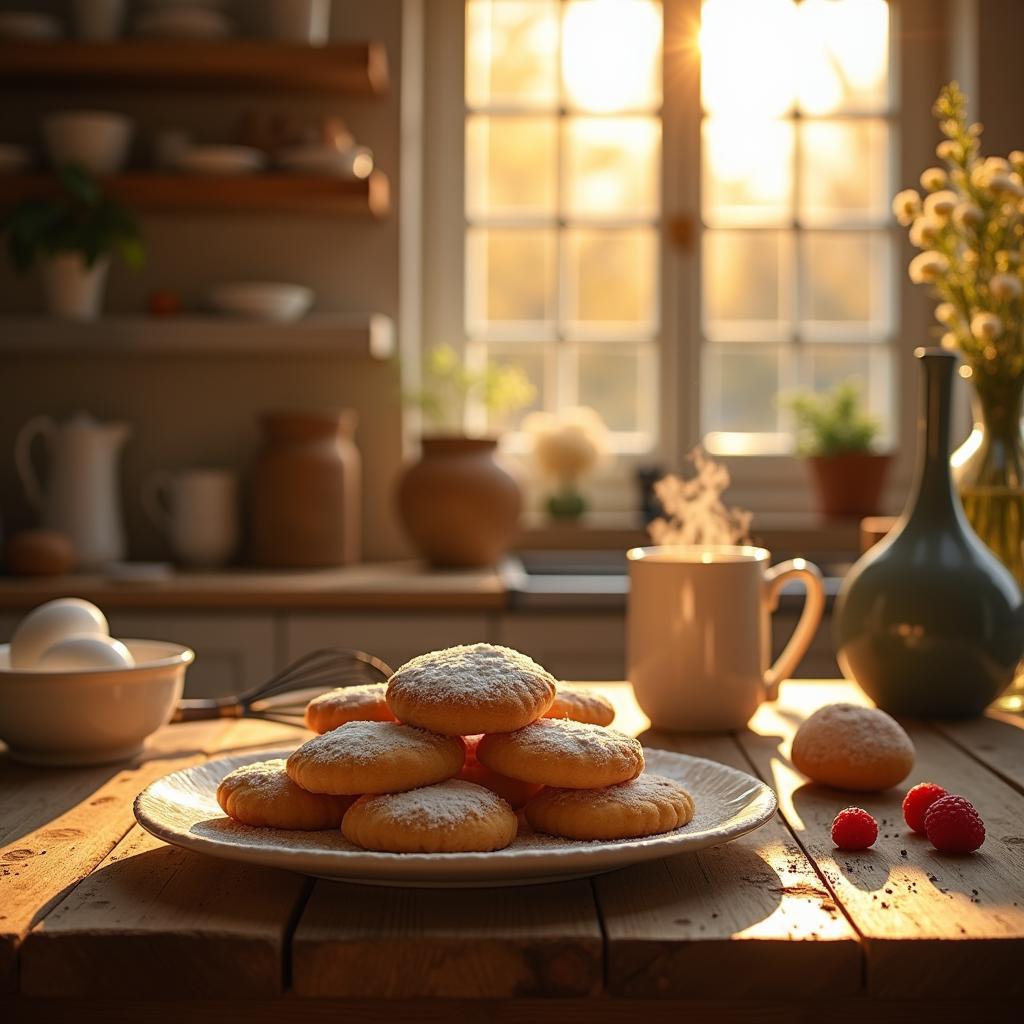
283,698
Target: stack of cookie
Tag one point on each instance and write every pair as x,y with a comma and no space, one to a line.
438,759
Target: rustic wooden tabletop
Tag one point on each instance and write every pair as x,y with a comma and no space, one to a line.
100,921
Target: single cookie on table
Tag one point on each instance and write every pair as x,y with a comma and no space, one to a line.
852,747
262,794
348,704
569,755
515,791
375,757
450,817
581,705
644,806
472,689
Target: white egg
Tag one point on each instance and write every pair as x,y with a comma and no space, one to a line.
51,622
84,653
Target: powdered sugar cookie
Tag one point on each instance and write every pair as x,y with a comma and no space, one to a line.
853,747
581,705
451,817
514,791
557,752
644,806
375,757
471,689
262,794
348,704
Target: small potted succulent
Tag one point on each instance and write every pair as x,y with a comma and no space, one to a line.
459,507
71,235
838,438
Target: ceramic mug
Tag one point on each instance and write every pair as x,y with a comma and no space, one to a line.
699,632
197,511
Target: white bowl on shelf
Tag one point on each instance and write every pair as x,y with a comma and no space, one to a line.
185,21
77,718
222,160
14,158
262,300
96,139
29,26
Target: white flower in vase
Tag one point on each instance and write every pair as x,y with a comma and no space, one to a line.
940,204
1005,286
986,326
968,215
927,267
933,179
906,205
924,232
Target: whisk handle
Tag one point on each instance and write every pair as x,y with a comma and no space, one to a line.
201,710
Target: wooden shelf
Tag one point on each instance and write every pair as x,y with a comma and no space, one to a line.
359,335
255,193
358,69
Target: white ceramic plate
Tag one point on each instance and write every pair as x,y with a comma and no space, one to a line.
181,808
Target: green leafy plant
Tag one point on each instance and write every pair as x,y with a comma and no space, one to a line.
449,385
78,218
834,422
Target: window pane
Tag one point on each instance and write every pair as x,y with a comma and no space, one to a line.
844,59
741,383
844,172
747,285
611,55
612,381
748,62
611,166
510,276
846,282
532,360
747,172
611,279
511,165
870,366
512,52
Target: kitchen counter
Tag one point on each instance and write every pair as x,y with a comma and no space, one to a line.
391,585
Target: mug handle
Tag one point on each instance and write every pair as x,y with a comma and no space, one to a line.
155,501
814,606
38,426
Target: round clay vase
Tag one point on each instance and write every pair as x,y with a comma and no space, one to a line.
306,491
457,504
928,622
850,485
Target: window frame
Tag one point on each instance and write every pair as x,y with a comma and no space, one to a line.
921,62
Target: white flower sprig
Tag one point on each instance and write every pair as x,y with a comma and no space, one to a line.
970,229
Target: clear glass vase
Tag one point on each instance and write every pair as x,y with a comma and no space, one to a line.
989,472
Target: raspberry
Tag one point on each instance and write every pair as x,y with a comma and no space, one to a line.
854,829
953,825
917,802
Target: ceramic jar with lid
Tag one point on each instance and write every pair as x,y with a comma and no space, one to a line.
306,491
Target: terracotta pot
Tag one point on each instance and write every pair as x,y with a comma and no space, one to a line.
457,504
306,491
850,485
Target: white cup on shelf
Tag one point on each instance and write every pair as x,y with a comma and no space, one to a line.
300,21
197,511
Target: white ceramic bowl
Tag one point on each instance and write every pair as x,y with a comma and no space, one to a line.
72,718
14,158
28,25
96,139
262,300
226,160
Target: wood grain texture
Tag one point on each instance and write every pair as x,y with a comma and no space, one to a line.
357,941
59,824
924,917
222,925
753,911
997,741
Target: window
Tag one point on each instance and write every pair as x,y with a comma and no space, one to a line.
798,254
563,203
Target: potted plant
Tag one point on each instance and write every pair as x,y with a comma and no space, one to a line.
71,235
837,436
459,506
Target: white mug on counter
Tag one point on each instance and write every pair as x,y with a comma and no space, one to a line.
699,632
197,511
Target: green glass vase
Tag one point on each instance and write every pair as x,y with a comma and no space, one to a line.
988,469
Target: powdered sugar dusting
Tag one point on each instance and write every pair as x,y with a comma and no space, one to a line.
369,743
442,807
474,675
267,778
861,736
640,792
563,738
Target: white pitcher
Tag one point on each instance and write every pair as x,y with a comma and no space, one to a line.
82,494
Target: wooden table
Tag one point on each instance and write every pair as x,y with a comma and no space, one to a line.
98,921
